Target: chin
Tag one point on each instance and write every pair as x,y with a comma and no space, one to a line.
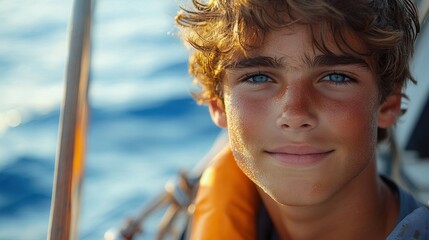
294,201
303,194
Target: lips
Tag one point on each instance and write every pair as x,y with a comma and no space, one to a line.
299,155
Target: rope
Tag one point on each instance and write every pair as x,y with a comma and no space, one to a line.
178,197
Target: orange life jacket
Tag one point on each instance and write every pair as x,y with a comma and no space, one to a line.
227,202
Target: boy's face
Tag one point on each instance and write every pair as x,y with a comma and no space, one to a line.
302,124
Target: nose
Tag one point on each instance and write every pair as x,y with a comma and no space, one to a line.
298,109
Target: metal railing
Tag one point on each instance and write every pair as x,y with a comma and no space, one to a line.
69,162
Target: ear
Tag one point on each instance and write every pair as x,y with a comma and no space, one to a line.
217,112
390,109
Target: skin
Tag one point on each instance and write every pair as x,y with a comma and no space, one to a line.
303,128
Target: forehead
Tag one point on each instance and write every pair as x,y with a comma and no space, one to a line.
303,43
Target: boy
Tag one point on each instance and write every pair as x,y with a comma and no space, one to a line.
305,89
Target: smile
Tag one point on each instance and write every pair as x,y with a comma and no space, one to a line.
299,156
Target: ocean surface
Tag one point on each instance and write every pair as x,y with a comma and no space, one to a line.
143,129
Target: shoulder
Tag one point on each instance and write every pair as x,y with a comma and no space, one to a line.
414,226
413,219
407,202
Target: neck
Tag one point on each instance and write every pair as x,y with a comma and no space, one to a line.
366,209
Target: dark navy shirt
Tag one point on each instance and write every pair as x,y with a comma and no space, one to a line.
413,220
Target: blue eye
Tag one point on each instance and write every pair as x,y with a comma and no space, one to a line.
337,78
258,78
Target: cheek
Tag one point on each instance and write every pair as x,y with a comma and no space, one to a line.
354,121
245,115
248,120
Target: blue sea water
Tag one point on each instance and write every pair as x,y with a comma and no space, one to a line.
144,127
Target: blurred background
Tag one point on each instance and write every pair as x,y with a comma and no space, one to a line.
144,127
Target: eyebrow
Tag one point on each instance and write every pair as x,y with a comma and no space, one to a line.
332,60
318,61
258,61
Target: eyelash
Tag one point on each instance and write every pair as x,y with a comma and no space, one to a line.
248,78
347,79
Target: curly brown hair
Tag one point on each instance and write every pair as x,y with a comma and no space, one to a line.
219,30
